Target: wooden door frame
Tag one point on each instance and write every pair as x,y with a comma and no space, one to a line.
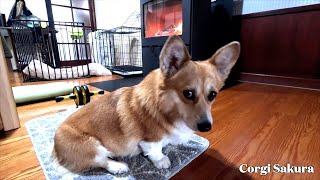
8,109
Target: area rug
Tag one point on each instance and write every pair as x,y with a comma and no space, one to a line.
42,129
113,85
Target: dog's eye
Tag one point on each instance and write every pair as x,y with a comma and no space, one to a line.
189,94
212,95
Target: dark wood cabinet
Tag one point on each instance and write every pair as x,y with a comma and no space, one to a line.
281,47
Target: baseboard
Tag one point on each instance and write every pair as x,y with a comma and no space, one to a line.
281,80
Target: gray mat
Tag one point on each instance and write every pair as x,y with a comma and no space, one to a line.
42,129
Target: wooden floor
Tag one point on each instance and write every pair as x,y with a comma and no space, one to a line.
253,124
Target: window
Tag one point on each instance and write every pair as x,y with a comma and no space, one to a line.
74,11
70,42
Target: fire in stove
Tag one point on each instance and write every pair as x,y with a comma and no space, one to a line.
163,18
171,30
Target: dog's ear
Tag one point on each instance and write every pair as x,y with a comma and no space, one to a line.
173,56
225,58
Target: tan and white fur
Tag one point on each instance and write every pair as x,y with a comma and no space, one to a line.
166,107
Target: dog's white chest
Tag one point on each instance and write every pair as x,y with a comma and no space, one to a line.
180,135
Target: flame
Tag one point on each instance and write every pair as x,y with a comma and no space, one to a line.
178,29
171,30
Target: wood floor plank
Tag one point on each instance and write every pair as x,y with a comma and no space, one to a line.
20,161
258,129
12,140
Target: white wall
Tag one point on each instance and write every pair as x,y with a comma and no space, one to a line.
253,6
113,13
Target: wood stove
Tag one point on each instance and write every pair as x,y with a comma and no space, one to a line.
190,19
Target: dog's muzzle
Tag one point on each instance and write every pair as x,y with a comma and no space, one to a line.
205,123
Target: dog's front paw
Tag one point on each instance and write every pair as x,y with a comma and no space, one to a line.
118,167
162,163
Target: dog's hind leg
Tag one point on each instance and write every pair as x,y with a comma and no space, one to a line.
78,152
102,160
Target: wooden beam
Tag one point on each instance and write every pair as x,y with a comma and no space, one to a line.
1,125
92,13
8,110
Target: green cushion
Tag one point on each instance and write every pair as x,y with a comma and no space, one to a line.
30,93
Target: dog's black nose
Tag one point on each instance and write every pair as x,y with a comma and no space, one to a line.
204,126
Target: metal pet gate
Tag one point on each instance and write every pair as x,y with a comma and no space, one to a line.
51,51
62,50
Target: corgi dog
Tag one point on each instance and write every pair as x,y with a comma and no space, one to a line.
167,107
